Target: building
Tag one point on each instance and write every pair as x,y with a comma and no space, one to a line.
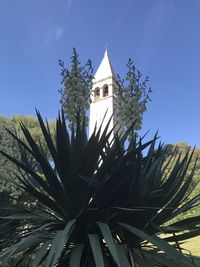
104,97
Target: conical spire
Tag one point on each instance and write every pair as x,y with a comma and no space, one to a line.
105,69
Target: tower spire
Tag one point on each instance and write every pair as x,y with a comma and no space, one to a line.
104,96
105,69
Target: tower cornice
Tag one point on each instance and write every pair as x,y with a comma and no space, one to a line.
104,79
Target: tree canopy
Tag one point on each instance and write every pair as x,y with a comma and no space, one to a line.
183,148
11,146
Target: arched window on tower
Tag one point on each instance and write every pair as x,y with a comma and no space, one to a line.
96,93
105,90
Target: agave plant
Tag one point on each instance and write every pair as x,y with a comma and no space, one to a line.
96,203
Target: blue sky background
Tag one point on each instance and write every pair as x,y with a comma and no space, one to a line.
161,36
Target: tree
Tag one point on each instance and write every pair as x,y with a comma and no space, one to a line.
182,149
7,168
75,93
98,204
133,98
9,192
9,145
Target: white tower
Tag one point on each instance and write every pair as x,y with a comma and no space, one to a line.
104,96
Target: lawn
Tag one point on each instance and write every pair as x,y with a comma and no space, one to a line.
193,245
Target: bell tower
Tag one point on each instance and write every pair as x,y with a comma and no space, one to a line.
104,96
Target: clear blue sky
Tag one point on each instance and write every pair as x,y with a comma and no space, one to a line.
162,37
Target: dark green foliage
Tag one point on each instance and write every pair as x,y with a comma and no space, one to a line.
133,98
7,168
75,93
183,148
97,205
11,146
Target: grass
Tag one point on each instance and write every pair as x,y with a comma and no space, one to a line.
193,245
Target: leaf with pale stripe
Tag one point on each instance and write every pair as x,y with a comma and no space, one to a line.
76,255
96,250
107,235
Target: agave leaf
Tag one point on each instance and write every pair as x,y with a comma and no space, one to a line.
63,154
58,243
91,181
76,255
21,217
139,259
47,136
96,250
109,241
170,185
176,191
158,258
45,199
183,236
27,170
56,186
97,181
186,207
177,257
184,224
41,253
40,214
23,244
23,257
122,257
19,141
